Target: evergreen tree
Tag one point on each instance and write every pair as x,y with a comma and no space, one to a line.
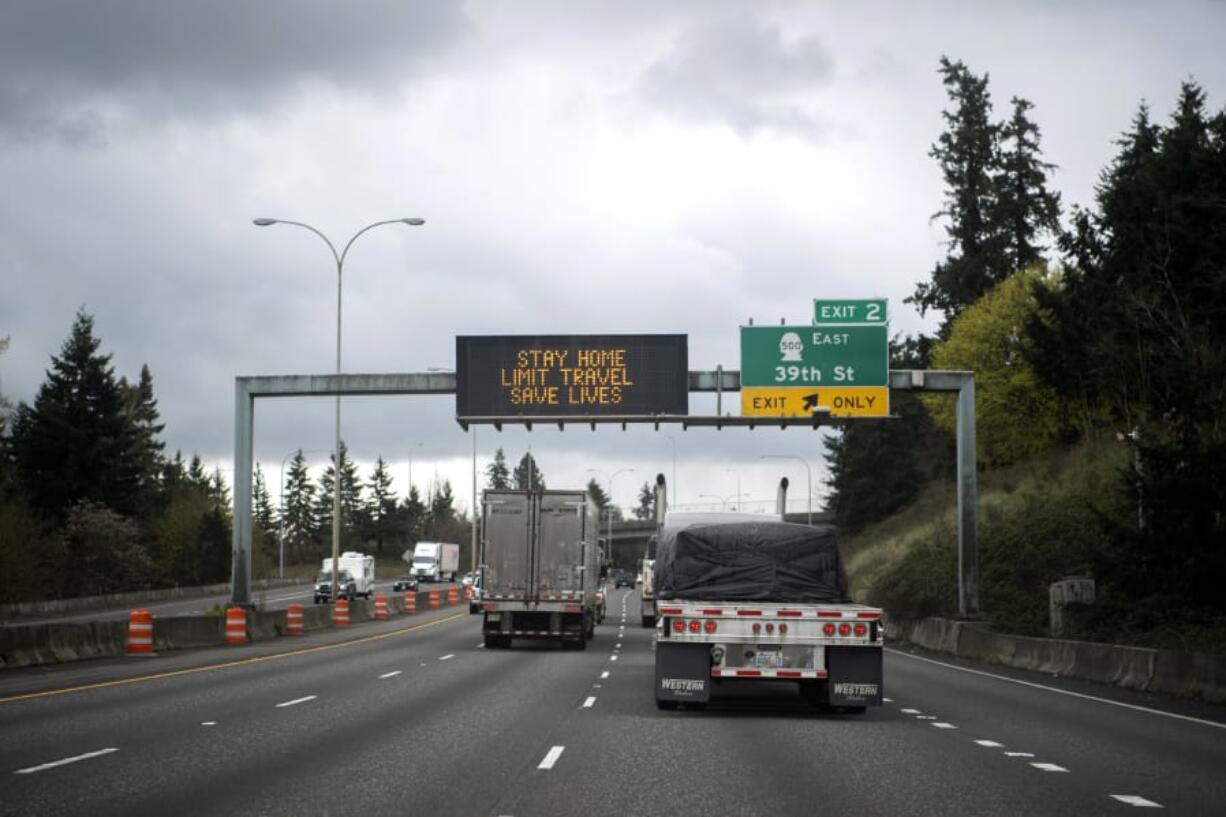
497,473
174,473
997,203
597,494
1024,208
527,475
381,507
442,507
219,492
646,509
77,441
352,513
142,409
967,153
196,474
265,517
413,513
298,515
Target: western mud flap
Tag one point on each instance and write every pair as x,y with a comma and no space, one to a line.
683,673
854,675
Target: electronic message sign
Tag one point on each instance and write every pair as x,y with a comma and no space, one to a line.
524,376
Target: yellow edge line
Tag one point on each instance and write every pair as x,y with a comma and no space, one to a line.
228,664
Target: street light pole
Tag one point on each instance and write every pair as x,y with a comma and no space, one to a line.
609,507
808,475
340,267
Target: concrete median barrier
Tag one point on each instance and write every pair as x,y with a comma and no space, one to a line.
53,643
1186,674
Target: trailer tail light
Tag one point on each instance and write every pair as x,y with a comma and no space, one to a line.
828,629
678,625
861,629
709,625
868,615
695,626
844,629
757,628
783,629
770,628
670,611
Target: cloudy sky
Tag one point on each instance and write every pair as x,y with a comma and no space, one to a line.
582,167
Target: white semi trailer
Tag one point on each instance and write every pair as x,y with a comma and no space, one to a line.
435,561
540,568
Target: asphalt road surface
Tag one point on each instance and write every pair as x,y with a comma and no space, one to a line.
412,716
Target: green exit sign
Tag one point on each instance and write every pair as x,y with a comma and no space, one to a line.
848,313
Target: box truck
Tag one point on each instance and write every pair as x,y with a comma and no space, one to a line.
541,567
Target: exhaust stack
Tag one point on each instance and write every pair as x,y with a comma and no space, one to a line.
781,499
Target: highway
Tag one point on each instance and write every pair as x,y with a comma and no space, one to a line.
413,716
273,598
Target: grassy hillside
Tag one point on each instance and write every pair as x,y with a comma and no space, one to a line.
1038,521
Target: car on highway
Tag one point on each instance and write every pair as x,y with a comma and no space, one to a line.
346,587
403,584
623,579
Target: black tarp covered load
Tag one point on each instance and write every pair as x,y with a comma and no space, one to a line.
750,561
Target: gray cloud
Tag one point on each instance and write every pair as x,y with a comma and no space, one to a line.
741,72
68,68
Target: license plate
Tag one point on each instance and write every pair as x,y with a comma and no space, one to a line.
493,616
768,659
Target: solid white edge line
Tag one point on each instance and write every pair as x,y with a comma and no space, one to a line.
551,757
391,674
66,761
448,655
297,701
1136,800
590,702
1061,691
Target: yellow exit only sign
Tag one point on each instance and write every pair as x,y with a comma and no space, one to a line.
848,401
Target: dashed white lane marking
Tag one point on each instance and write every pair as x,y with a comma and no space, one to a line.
612,657
423,663
1049,767
1018,754
925,717
619,646
595,686
481,645
604,674
391,674
590,702
888,700
1061,691
991,744
208,723
910,711
943,725
65,761
448,655
297,701
1135,800
551,757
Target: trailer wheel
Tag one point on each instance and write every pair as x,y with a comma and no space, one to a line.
496,642
666,705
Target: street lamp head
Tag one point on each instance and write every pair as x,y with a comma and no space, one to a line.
263,222
414,222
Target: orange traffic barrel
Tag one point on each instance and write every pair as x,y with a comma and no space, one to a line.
410,603
293,620
140,632
453,595
434,601
340,613
380,607
236,625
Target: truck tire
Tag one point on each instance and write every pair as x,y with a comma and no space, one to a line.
495,642
666,705
649,621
